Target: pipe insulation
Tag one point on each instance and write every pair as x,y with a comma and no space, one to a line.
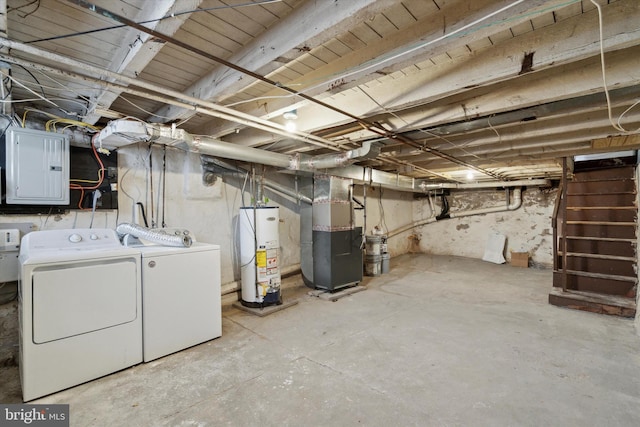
218,165
512,205
125,132
154,236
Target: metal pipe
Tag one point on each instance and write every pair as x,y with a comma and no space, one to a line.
367,124
269,184
510,206
495,184
225,113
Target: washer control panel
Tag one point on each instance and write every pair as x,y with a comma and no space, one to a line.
74,239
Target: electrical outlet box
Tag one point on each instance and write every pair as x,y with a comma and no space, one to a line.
9,251
9,239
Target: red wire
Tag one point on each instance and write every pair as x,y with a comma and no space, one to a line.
100,175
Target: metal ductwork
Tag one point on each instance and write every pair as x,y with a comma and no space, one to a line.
125,132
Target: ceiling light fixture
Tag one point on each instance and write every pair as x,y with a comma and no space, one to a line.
469,175
290,115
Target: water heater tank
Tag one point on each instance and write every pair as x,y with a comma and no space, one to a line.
260,256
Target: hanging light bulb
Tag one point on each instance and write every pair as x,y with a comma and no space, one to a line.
290,125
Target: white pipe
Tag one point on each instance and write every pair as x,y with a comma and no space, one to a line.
225,113
493,184
130,130
515,204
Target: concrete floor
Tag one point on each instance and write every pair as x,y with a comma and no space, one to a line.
439,341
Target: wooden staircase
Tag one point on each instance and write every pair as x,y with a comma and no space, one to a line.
595,266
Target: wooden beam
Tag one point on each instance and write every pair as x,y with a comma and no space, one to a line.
495,65
138,48
306,27
569,40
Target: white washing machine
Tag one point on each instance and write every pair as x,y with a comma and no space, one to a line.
80,308
180,297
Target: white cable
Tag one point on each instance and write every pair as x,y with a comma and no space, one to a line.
617,126
420,46
42,97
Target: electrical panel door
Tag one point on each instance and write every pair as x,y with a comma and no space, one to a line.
37,167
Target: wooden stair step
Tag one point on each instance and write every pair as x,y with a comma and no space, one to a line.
595,303
590,229
599,256
597,283
600,265
601,276
602,246
615,214
626,199
618,186
602,239
626,223
626,172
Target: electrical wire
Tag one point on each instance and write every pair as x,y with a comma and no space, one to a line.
383,222
171,15
142,109
33,77
69,113
616,125
101,171
397,56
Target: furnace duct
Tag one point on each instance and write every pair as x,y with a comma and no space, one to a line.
154,236
119,133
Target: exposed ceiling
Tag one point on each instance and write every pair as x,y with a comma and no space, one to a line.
452,90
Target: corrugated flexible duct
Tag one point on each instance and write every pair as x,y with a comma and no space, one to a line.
154,236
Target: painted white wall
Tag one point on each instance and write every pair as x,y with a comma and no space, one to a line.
389,210
527,229
208,212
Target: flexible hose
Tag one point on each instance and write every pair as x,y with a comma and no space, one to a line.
154,236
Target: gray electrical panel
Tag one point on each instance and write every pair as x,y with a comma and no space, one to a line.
36,167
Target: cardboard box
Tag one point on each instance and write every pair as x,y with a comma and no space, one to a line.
520,259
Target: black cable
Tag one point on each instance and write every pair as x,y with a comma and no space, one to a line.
144,215
34,78
444,211
173,15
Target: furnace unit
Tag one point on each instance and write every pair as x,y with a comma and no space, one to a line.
337,251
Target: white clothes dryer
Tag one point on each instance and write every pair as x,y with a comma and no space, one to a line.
80,308
181,298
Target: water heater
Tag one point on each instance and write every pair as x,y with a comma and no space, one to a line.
260,256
